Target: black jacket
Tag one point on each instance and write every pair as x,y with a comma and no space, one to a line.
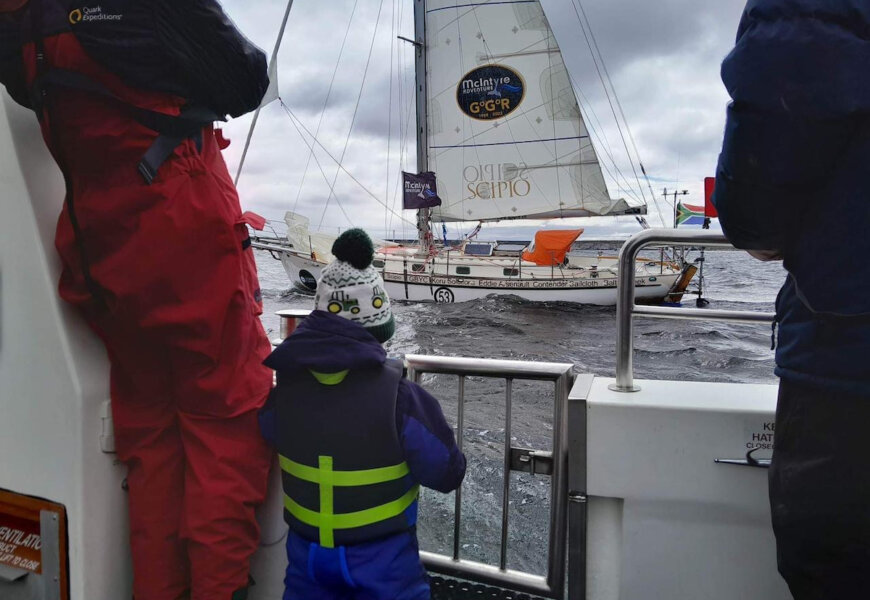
188,48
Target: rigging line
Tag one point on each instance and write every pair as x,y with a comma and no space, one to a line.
395,56
555,142
625,187
598,61
594,125
355,111
326,102
390,116
618,102
591,119
297,122
404,128
311,148
407,102
608,95
403,158
260,107
404,125
623,184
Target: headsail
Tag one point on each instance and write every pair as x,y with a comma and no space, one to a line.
506,135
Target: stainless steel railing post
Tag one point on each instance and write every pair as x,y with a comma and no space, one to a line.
506,481
626,309
558,551
460,436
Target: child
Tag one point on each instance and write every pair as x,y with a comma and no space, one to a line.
356,440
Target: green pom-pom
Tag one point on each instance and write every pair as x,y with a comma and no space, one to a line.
354,246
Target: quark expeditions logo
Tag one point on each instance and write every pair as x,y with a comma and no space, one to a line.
88,14
490,92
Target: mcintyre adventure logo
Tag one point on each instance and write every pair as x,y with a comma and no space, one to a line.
421,190
490,92
91,13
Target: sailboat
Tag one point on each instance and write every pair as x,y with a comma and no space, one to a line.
502,137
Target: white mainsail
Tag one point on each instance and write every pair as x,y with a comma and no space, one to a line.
506,135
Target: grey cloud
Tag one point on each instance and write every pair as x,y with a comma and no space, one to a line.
663,57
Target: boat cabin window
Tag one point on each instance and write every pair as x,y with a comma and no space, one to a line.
418,267
511,272
478,249
378,264
511,247
463,270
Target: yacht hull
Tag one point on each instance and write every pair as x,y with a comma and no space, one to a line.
302,272
413,278
587,291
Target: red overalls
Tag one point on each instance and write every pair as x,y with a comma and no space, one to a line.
180,321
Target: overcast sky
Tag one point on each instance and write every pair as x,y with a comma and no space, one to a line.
662,56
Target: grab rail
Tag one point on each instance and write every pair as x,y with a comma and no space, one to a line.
553,585
626,309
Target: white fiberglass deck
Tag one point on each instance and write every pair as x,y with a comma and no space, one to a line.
665,520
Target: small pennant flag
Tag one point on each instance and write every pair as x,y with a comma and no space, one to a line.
420,191
272,91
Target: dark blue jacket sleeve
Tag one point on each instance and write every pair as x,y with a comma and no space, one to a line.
269,421
11,63
427,440
796,77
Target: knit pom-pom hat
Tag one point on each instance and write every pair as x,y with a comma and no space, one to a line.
350,287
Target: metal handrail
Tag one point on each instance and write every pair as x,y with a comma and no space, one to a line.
626,308
553,585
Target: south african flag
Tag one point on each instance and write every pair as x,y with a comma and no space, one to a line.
689,214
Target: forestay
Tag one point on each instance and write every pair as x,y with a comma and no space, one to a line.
506,135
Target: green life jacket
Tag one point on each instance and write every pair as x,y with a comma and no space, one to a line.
344,475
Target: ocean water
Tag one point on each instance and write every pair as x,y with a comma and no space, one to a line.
510,328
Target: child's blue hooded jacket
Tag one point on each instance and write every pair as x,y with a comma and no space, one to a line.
326,343
380,559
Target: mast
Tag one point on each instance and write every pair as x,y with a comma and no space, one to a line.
424,215
272,64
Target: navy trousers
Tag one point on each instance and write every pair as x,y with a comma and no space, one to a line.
820,492
387,569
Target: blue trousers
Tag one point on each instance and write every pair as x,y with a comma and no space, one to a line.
387,569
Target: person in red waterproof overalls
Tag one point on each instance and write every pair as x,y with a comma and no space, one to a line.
156,256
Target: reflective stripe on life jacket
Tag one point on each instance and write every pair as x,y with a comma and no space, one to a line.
326,520
343,470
